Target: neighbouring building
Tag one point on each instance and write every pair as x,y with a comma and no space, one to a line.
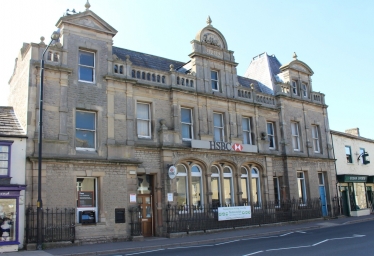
124,128
12,181
355,174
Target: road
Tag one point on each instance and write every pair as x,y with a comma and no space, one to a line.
355,239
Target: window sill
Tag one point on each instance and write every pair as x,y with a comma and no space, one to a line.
90,224
87,82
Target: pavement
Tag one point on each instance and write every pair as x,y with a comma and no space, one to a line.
196,238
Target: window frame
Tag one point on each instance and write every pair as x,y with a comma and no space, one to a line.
271,136
350,160
96,199
230,176
315,138
149,136
304,89
294,87
185,175
301,187
214,81
218,176
362,151
85,66
295,136
84,129
200,175
256,176
9,154
190,125
247,132
277,196
221,128
245,177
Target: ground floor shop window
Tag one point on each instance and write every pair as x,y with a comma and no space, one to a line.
215,185
87,206
256,187
301,187
8,221
244,185
228,187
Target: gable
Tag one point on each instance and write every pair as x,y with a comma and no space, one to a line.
298,66
88,20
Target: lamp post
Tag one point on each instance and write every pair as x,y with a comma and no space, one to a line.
55,36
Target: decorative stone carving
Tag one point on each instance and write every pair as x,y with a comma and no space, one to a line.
163,125
212,39
115,57
172,67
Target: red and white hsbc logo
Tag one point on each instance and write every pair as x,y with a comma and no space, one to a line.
237,147
221,145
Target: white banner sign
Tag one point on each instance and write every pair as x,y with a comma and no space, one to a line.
234,213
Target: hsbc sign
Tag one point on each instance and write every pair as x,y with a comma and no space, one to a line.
223,146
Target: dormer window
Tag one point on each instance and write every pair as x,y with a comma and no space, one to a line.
294,87
304,90
214,80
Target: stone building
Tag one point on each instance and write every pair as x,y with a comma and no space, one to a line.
119,125
355,174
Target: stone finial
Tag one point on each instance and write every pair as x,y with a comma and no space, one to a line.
209,21
87,5
127,57
42,38
252,86
294,56
171,67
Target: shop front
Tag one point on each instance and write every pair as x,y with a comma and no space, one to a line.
354,191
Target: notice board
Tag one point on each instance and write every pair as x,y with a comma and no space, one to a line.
86,199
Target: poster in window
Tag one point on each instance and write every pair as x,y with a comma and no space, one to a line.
86,199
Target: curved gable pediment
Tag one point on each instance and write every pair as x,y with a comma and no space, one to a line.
298,66
212,36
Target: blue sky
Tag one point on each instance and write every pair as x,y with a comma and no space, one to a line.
335,38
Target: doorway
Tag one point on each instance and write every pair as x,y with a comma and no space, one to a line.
322,193
146,214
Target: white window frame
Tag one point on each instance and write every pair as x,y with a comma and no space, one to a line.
220,128
248,132
217,175
230,176
214,80
315,137
148,136
91,67
190,125
304,89
301,187
362,151
294,87
246,177
350,154
271,136
255,174
295,136
198,174
82,129
184,174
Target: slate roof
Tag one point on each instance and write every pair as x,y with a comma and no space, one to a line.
9,125
146,60
154,62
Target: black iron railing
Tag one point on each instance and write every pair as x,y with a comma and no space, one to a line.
57,225
183,218
135,221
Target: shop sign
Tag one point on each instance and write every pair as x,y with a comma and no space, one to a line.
223,146
86,199
172,172
352,178
234,213
9,193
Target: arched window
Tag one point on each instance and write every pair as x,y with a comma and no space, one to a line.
148,76
143,75
191,83
153,77
215,185
256,187
228,192
115,68
133,74
121,69
182,185
163,79
177,79
182,81
137,74
196,186
244,186
187,81
158,78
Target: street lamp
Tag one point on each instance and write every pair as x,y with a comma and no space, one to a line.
55,36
